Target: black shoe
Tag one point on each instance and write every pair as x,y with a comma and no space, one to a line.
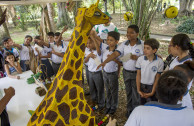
112,111
106,110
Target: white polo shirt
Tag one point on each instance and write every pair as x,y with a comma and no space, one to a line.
13,50
92,64
158,114
176,62
111,66
149,69
87,52
44,52
24,52
126,48
60,49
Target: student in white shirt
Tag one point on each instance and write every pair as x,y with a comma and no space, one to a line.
171,87
25,50
134,47
188,68
149,68
96,83
181,47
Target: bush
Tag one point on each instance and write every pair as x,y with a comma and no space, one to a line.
186,27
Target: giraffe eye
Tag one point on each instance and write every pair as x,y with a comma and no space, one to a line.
97,13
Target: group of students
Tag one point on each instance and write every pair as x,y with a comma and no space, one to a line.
142,68
15,62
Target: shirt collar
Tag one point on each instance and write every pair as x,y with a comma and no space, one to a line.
138,42
109,47
184,58
155,57
165,106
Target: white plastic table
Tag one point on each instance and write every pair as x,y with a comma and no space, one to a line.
25,99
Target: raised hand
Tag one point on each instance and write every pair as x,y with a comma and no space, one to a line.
65,28
10,91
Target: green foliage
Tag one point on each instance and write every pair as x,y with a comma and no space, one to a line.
186,27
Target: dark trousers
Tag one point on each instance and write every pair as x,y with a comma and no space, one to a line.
112,86
55,67
133,98
96,85
147,89
87,73
4,118
24,66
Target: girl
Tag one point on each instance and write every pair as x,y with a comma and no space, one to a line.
43,54
181,48
12,67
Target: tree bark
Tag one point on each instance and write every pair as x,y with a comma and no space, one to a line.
125,5
113,4
51,17
185,5
6,31
12,13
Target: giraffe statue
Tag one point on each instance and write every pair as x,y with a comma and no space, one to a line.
64,103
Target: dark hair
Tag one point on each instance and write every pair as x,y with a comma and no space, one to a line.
153,43
8,54
134,27
5,39
37,37
172,85
188,68
50,34
57,34
184,42
114,34
28,36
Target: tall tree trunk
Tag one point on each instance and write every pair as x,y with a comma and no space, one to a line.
63,16
51,17
185,7
6,31
113,4
12,13
125,5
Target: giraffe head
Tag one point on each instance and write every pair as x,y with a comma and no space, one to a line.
96,16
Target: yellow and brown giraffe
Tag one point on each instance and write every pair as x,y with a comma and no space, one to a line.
64,103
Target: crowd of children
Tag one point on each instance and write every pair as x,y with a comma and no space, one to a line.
142,69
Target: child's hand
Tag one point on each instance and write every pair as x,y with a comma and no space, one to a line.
65,28
134,57
141,94
111,122
91,55
10,91
101,65
18,77
36,50
11,43
147,95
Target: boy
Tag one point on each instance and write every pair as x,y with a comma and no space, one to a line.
134,46
95,76
50,36
149,68
25,51
171,87
103,29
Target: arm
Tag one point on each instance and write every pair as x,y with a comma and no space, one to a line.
91,55
9,93
18,68
60,36
138,82
47,56
8,73
58,54
96,45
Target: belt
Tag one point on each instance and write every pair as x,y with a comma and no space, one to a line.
95,72
130,71
110,72
56,63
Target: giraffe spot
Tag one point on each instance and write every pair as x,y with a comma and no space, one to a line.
48,103
72,44
42,106
64,110
80,12
74,103
82,47
76,54
73,93
67,58
53,88
87,108
47,125
78,74
51,116
71,39
76,34
62,66
91,123
92,113
88,33
83,118
40,117
79,83
60,123
34,125
34,117
73,114
60,75
79,41
78,63
81,96
72,62
67,50
81,105
61,93
68,74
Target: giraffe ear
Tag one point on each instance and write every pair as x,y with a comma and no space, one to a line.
97,3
